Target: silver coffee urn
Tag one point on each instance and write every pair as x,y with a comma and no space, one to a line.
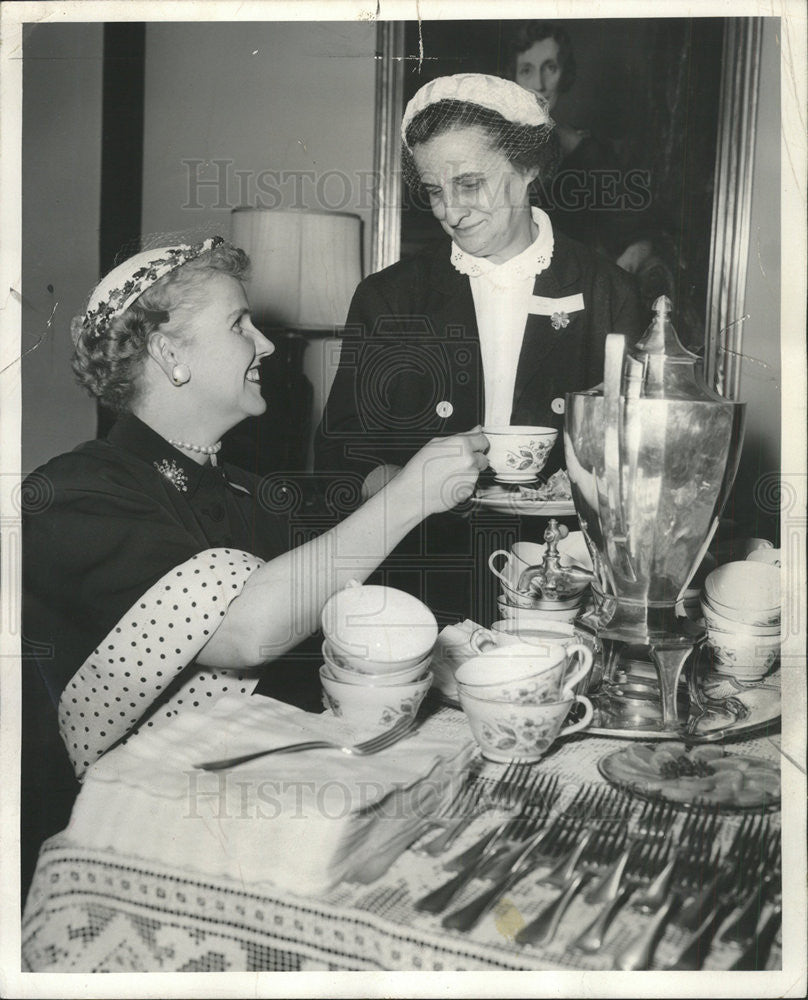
651,454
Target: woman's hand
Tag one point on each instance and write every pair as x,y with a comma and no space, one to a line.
444,472
282,601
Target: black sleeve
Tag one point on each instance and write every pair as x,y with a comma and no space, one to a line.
87,558
628,311
591,153
342,420
357,432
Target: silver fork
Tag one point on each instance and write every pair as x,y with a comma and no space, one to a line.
539,797
698,830
531,819
605,819
596,849
380,742
523,863
740,865
757,950
746,858
643,860
544,846
439,899
687,865
651,828
522,828
505,793
742,928
464,802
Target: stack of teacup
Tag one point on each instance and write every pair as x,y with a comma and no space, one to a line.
741,607
377,649
517,696
529,608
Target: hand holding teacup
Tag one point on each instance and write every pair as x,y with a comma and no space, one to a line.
444,472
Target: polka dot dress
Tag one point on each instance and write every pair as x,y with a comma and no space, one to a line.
155,641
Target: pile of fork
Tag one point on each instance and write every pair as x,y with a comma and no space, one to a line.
647,861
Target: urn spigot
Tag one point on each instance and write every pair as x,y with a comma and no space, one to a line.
550,579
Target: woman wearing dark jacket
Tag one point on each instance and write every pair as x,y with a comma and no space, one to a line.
493,327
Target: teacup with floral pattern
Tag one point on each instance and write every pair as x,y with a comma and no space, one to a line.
506,731
518,453
524,673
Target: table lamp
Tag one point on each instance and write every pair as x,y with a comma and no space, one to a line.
305,267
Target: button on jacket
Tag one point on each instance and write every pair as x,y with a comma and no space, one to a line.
411,343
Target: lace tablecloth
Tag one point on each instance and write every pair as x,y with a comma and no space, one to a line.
92,910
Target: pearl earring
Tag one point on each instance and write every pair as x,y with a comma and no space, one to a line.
180,374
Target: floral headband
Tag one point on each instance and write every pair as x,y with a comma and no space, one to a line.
127,282
514,103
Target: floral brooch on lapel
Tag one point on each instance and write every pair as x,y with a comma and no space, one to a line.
559,320
173,473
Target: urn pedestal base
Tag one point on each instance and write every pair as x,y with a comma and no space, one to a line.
636,690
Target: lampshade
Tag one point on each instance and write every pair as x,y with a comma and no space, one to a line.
305,265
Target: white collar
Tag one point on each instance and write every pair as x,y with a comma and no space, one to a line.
530,262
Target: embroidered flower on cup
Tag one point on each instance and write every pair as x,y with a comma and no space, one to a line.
173,473
559,319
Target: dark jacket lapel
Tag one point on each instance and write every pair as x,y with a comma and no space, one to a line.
452,296
540,339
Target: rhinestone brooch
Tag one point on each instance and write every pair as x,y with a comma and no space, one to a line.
173,473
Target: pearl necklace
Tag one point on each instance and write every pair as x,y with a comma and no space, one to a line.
203,449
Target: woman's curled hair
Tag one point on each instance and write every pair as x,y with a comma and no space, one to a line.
108,358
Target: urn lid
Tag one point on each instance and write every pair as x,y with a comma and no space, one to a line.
659,366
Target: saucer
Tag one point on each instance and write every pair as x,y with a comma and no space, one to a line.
512,501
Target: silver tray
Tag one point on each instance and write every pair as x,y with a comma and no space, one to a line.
757,705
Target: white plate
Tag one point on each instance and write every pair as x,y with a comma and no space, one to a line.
650,773
510,502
